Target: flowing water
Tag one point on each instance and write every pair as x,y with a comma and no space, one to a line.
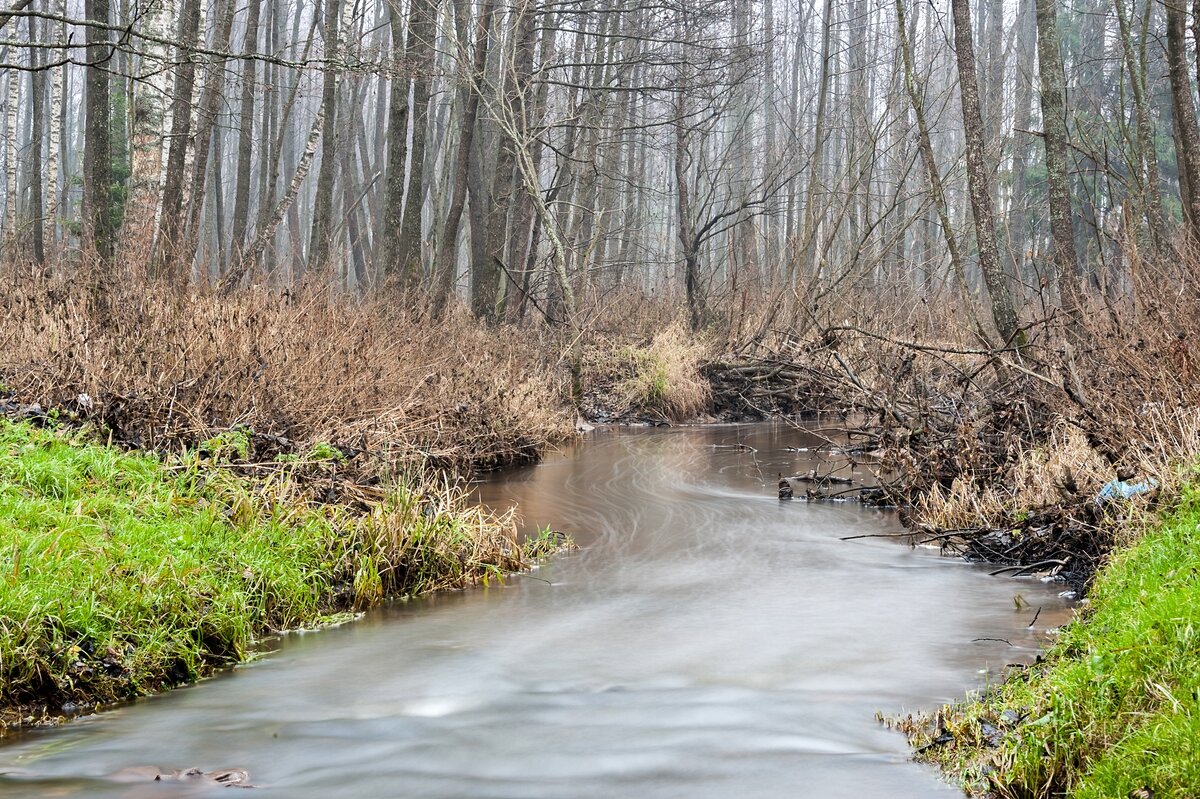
707,641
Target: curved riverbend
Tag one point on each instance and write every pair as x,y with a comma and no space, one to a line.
707,641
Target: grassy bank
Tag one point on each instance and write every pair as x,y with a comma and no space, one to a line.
1113,709
125,574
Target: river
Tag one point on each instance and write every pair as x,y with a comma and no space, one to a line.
708,640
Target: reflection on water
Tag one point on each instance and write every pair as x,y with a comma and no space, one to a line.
707,641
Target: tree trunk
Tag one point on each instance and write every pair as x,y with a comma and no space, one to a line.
979,179
321,243
396,175
211,103
488,278
54,140
1058,177
351,207
421,32
281,148
37,91
1018,215
809,236
1147,156
269,222
168,239
468,98
241,200
11,219
1187,134
99,236
683,207
14,9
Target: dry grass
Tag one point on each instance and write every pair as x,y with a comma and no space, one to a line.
165,370
666,375
660,378
1036,479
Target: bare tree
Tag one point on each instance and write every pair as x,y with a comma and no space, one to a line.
245,151
321,242
1187,133
168,243
98,230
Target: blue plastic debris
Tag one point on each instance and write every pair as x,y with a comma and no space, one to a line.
1120,489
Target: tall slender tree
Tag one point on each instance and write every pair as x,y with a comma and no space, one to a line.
446,270
245,147
98,229
1058,177
1187,133
321,241
168,239
37,91
979,179
419,48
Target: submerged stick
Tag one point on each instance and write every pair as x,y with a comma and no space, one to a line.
1016,570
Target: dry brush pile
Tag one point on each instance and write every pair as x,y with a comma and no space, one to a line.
1001,453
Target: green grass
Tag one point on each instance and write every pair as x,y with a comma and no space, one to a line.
1115,706
122,575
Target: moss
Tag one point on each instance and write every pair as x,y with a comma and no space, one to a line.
1114,707
123,574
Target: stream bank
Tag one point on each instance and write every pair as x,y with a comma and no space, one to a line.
128,573
1112,709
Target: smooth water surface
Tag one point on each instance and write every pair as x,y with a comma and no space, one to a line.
708,640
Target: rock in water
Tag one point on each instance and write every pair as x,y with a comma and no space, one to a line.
785,488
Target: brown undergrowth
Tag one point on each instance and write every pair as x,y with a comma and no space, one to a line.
311,439
165,370
656,379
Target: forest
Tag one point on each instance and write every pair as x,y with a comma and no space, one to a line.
528,158
340,257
